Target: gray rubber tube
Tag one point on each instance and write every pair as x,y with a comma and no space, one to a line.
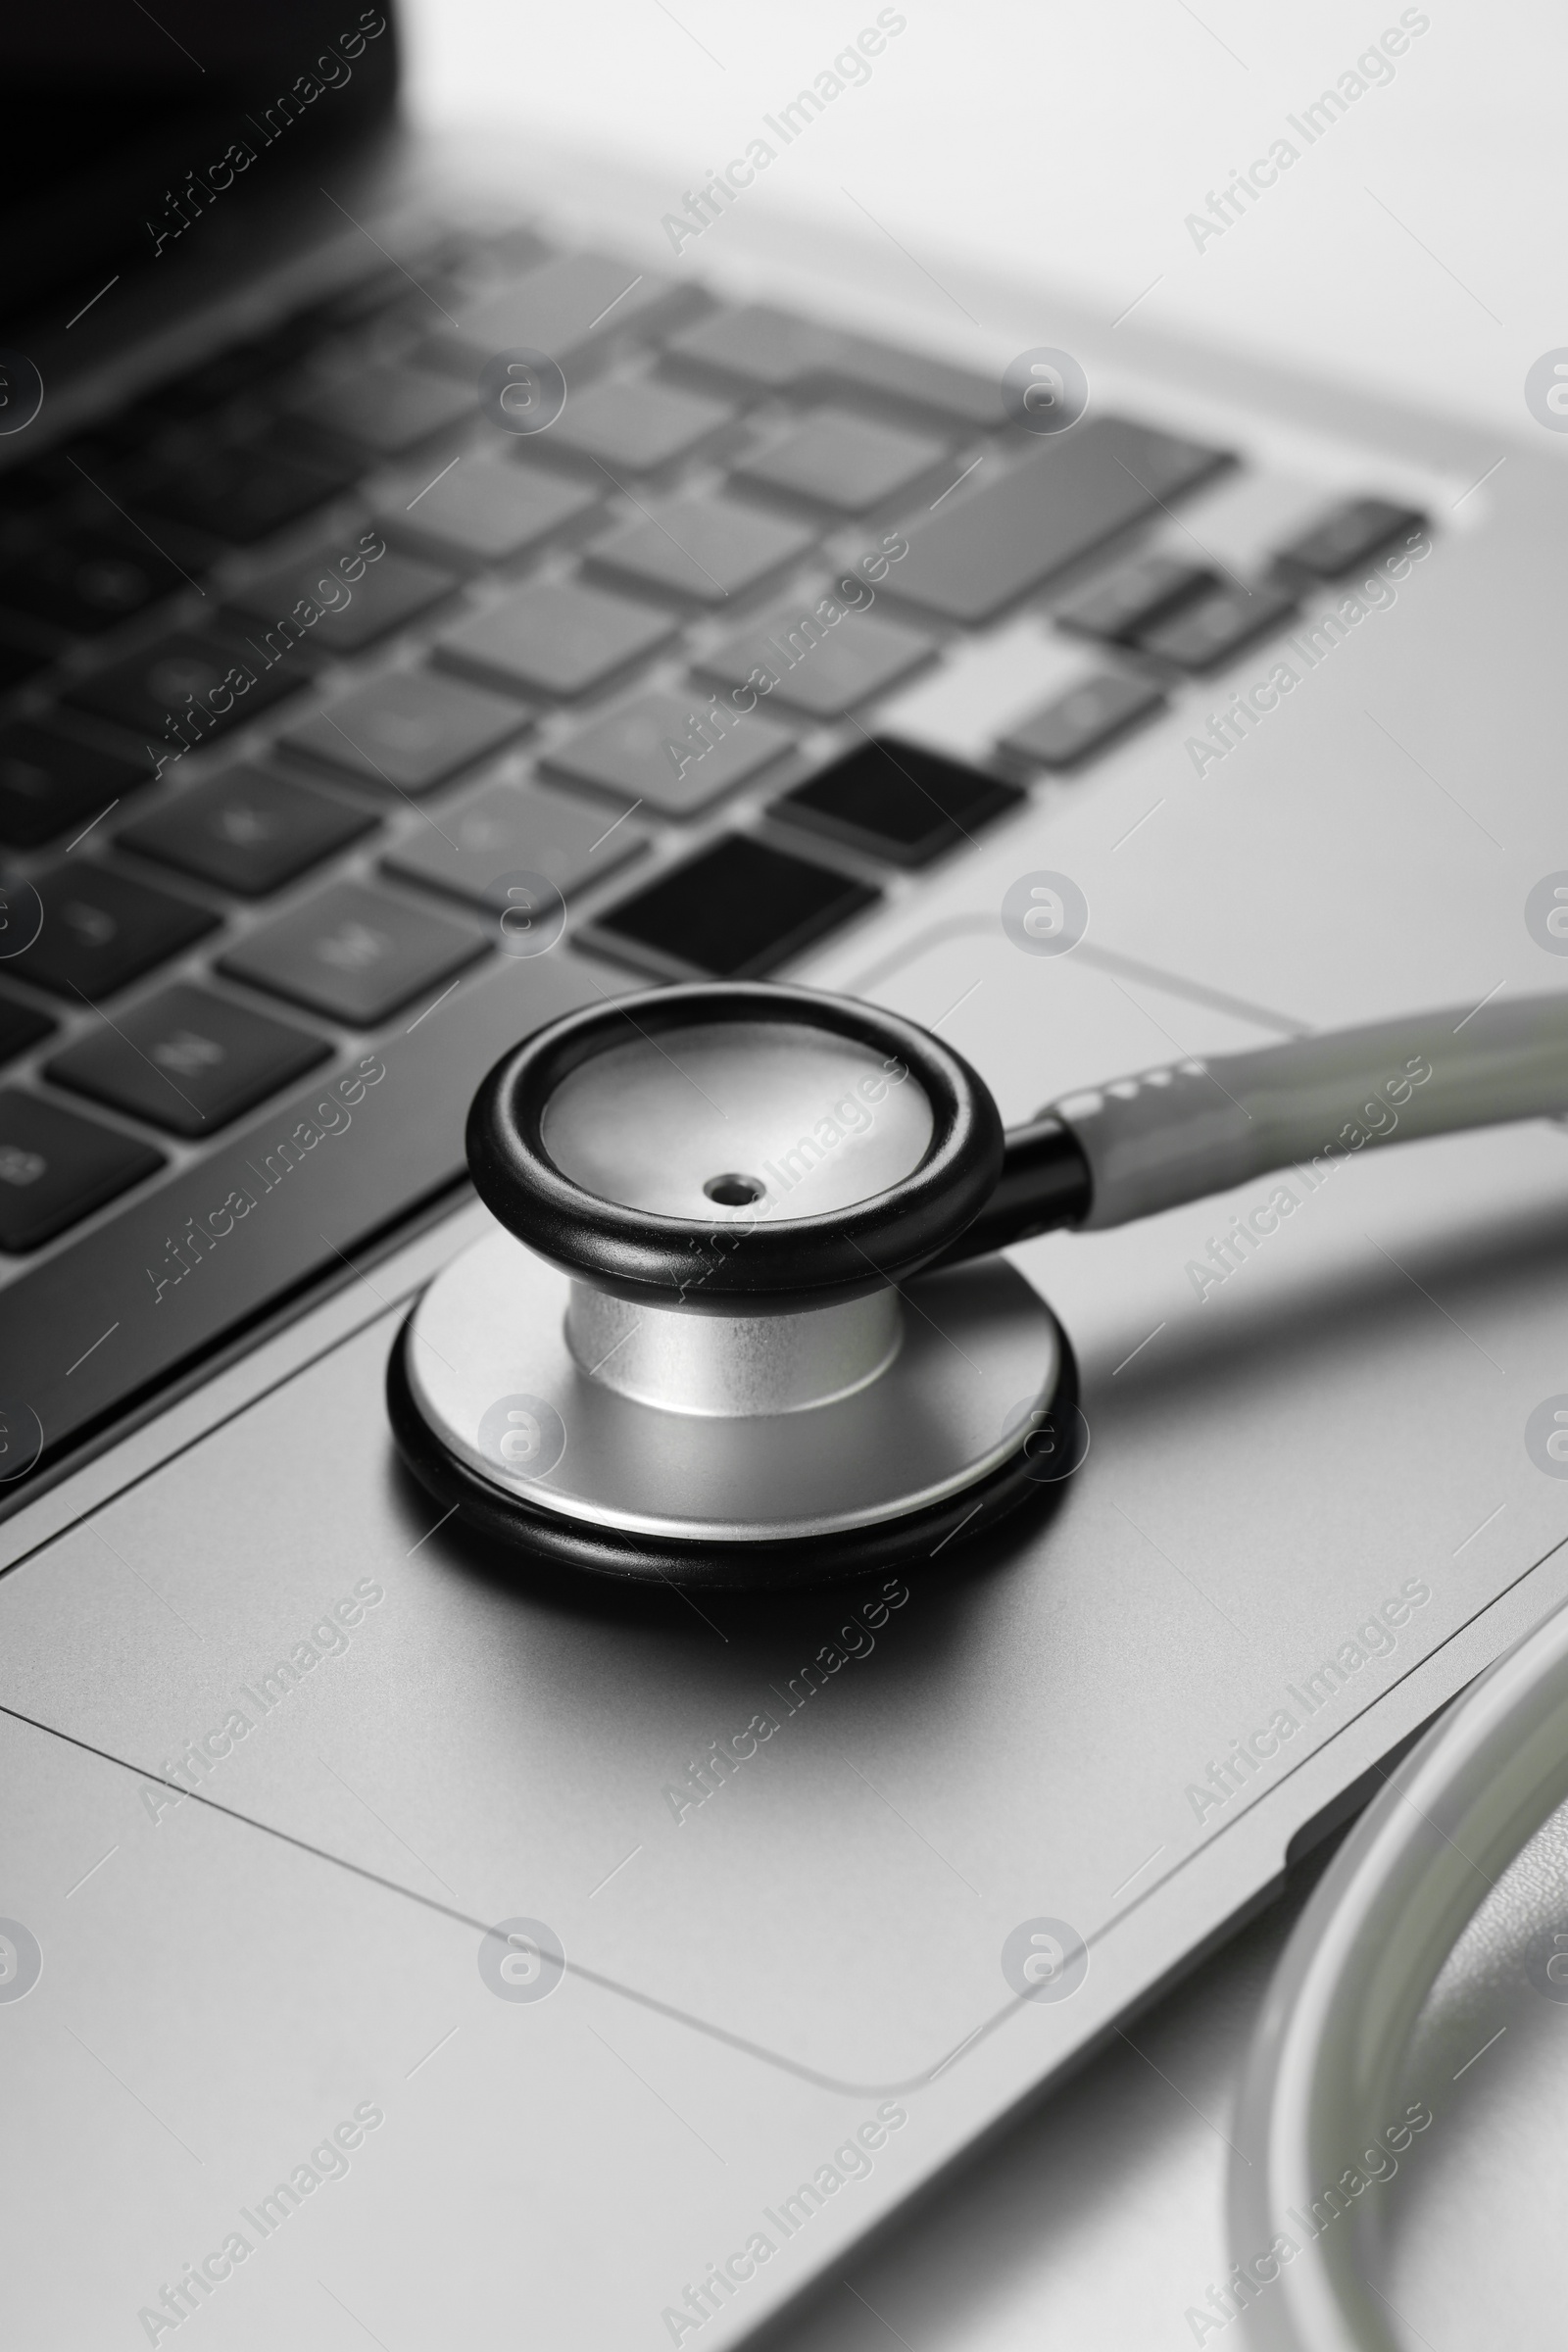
1198,1127
1324,2074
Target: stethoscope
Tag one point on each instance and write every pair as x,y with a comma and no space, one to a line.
743,1319
1328,2056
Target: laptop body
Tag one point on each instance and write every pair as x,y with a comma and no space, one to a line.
286,1755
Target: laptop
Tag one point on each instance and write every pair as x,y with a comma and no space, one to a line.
396,1941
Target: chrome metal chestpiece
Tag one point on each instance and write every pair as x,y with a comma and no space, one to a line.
734,1325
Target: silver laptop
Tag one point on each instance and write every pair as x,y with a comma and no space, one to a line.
399,1942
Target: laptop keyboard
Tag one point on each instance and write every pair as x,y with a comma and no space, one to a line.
304,661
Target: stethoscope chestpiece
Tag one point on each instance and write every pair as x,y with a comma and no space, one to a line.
700,1344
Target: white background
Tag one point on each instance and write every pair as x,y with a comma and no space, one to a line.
1070,144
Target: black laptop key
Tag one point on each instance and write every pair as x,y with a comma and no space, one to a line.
127,431
1020,525
186,689
247,831
100,929
1205,635
236,491
28,489
86,581
1348,534
354,955
200,391
55,1168
734,912
19,1028
409,731
900,803
20,663
240,368
49,782
387,409
1083,720
1134,598
337,601
187,1061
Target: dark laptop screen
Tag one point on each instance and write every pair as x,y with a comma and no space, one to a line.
127,127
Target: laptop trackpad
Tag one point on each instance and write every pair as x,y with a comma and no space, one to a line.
815,1824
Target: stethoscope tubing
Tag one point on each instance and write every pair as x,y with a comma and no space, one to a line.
1193,1128
1325,2070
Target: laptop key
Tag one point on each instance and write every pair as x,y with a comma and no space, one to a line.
236,491
1205,635
242,368
555,637
187,1062
897,802
1347,534
703,550
821,667
186,689
733,912
389,591
56,1167
755,346
353,953
634,424
675,754
100,929
840,461
563,307
408,731
520,247
87,581
20,663
911,379
1022,525
388,409
215,382
247,831
50,782
19,1028
503,830
484,510
26,489
1079,723
1114,610
377,292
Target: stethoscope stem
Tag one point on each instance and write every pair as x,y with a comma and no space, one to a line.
1045,1182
